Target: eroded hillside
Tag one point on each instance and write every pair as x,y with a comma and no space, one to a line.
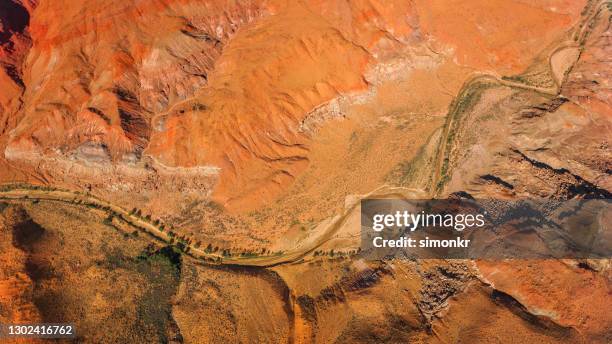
224,93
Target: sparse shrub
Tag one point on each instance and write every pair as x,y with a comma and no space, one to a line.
108,220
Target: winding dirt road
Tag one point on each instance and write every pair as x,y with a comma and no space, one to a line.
25,193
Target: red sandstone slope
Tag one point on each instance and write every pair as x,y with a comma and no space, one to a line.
227,84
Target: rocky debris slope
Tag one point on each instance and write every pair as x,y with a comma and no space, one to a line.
529,144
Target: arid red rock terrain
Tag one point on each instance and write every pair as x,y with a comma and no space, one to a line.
239,136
